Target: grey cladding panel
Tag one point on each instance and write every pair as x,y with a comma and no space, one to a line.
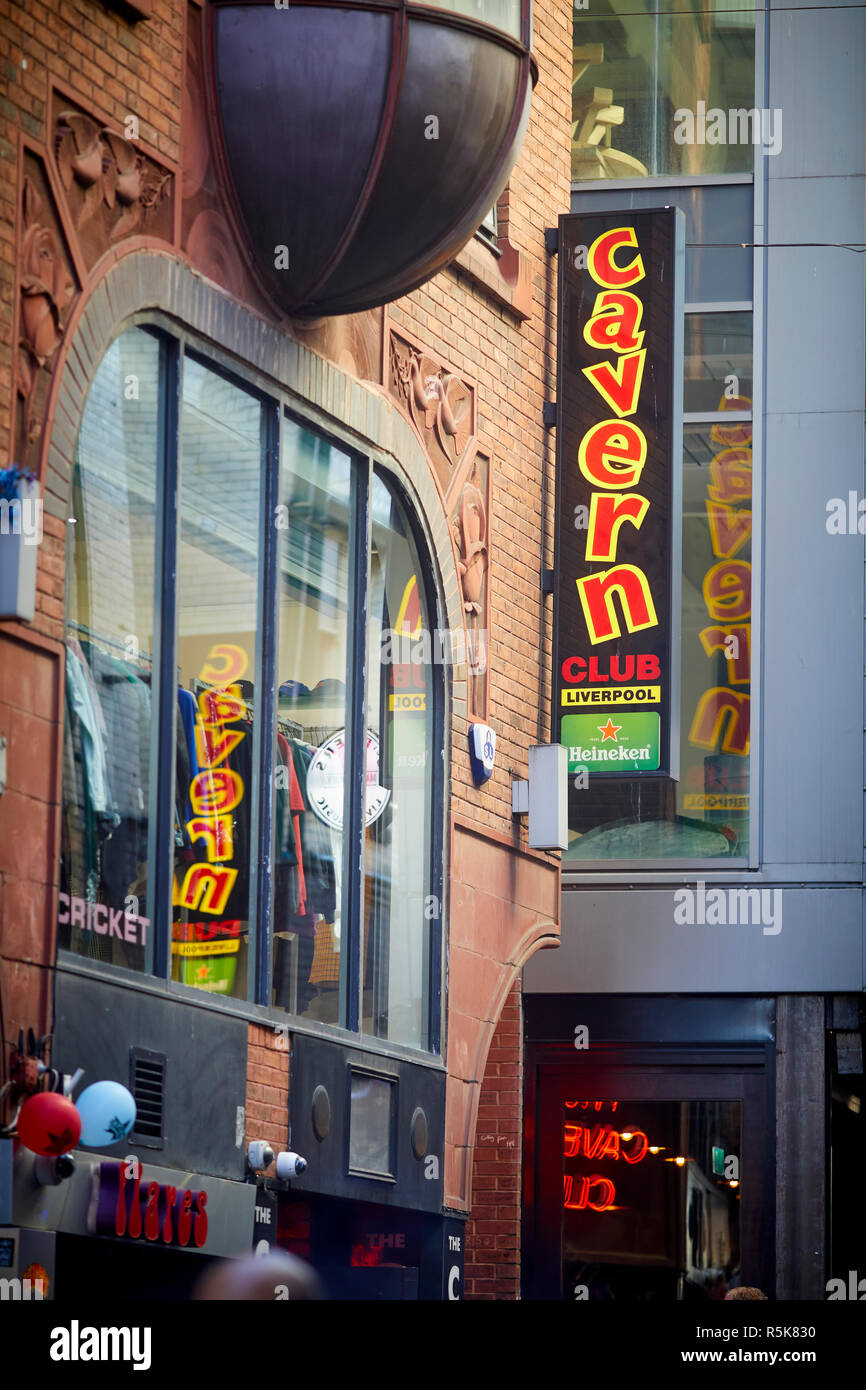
815,295
96,1024
622,942
816,79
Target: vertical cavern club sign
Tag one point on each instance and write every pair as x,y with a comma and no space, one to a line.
619,471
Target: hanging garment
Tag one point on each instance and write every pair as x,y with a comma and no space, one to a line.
182,778
325,967
317,841
290,808
291,894
125,701
189,716
75,844
83,703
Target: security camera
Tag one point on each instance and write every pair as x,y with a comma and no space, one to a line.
50,1172
260,1155
290,1165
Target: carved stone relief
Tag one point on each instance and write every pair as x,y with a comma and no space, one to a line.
46,286
439,403
113,190
470,527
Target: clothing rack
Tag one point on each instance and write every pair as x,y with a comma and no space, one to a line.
109,642
289,727
112,642
292,730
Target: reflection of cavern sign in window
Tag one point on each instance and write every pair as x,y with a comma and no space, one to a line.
216,790
722,717
618,423
596,1191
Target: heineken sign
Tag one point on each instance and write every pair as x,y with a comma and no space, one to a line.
627,743
619,442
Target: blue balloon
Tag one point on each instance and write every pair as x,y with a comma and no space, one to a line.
107,1112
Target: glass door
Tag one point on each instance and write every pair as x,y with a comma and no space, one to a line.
645,1183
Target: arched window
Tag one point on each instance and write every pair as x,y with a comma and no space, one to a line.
253,743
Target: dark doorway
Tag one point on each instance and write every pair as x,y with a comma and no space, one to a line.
648,1165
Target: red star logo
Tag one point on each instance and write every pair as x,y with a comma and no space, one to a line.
59,1143
609,730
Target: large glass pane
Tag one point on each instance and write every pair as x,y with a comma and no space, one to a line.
397,910
718,366
717,612
704,815
104,907
312,620
718,233
651,1199
664,91
220,535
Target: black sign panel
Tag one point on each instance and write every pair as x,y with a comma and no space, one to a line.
619,428
265,1222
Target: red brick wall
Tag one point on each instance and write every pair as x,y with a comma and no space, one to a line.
267,1088
492,1269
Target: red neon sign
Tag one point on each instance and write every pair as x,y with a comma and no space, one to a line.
576,1193
603,1141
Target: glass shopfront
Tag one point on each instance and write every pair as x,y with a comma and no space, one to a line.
218,798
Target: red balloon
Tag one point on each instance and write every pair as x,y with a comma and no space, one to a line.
49,1124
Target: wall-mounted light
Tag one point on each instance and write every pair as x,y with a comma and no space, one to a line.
544,797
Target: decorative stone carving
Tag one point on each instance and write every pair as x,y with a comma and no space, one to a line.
113,189
470,526
439,403
470,531
46,289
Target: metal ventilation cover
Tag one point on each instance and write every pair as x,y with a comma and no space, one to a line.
147,1083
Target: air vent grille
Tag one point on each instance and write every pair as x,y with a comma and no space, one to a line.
147,1083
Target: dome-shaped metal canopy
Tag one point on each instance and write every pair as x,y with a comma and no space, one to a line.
364,142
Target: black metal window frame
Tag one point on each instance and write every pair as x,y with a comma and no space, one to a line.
176,343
